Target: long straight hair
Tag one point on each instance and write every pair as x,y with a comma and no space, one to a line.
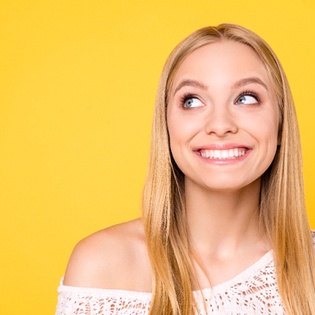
282,205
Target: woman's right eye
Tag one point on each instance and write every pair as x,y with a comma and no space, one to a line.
192,102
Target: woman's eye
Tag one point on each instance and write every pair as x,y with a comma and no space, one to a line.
247,99
192,102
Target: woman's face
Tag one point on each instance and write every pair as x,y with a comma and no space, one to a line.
222,117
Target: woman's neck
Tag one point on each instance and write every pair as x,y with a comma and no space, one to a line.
224,223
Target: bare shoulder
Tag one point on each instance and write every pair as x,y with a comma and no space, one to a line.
114,258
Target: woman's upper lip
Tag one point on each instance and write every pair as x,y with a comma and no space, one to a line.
222,146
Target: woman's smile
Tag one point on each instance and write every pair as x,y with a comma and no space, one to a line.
224,155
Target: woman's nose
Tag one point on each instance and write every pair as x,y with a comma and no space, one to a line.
221,121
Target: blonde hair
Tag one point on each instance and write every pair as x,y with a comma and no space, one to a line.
282,206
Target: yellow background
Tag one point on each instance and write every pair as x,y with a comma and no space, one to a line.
78,82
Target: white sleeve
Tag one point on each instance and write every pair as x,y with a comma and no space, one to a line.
92,301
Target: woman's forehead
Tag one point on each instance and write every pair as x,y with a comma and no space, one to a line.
221,62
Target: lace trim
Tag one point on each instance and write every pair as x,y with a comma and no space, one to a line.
254,291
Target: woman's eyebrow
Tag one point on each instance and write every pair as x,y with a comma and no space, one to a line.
237,84
250,80
193,83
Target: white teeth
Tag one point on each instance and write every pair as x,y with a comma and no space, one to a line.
223,154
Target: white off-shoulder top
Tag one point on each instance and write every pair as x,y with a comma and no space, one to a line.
253,292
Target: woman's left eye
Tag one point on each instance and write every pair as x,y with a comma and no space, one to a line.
247,99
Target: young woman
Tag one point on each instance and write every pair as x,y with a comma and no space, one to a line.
224,227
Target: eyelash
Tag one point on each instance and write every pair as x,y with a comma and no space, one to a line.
186,97
250,93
